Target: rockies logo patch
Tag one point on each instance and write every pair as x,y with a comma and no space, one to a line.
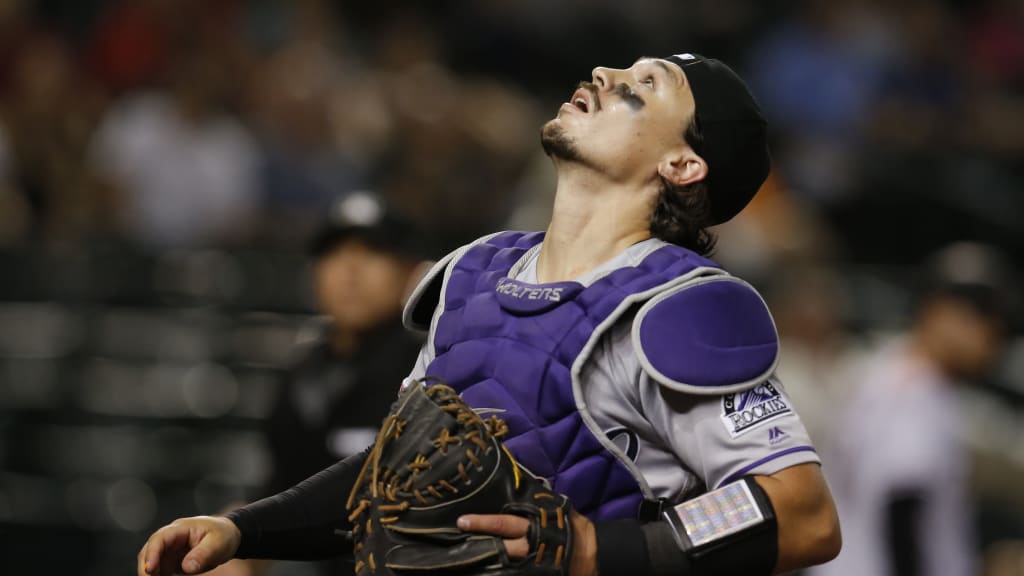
747,410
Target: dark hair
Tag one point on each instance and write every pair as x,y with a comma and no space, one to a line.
681,213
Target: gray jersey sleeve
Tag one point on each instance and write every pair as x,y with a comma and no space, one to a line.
683,443
423,359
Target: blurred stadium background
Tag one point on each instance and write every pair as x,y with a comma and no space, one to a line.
163,162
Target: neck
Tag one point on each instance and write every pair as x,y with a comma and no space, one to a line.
929,348
344,342
593,220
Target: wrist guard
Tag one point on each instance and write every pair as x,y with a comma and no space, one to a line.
731,530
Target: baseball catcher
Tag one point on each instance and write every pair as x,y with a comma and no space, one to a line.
434,460
634,374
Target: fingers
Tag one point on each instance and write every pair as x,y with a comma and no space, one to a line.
504,525
518,548
142,568
159,551
189,545
512,528
199,558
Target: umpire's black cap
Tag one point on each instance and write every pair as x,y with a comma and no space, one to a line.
974,273
735,145
365,216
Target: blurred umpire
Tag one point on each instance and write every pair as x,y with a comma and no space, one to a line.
347,364
339,388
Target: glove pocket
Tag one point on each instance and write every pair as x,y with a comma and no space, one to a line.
428,558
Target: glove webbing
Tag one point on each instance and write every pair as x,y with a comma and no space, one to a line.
386,486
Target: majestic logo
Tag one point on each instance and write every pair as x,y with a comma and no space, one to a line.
776,435
746,410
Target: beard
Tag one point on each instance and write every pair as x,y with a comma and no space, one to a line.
558,144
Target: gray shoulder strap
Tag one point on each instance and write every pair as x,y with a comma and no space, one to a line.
419,308
425,297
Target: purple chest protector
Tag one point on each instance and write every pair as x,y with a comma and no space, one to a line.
516,349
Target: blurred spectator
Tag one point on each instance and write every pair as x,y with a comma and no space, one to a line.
459,142
775,229
185,169
995,35
45,149
320,122
14,210
995,72
921,88
466,148
819,353
130,44
1005,559
899,467
15,25
914,151
815,74
348,369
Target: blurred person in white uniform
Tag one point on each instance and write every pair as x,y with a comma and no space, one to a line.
899,467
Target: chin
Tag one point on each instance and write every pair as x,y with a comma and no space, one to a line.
557,143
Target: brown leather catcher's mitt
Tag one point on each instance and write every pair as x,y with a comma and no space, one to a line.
434,460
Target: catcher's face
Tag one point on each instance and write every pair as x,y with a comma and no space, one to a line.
626,123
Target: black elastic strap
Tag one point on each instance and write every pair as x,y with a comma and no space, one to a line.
666,557
621,548
650,510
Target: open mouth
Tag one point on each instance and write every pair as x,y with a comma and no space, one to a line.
582,99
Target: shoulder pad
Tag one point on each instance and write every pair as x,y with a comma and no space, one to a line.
711,336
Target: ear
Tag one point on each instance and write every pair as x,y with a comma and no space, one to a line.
682,167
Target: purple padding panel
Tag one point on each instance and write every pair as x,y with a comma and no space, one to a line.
713,334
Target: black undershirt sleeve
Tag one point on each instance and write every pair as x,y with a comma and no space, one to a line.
303,522
903,525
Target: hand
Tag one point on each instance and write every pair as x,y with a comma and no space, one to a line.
513,529
189,545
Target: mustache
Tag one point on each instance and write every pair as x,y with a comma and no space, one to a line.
622,90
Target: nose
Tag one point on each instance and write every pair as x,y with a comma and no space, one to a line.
603,77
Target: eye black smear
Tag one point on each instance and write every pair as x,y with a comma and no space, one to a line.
626,93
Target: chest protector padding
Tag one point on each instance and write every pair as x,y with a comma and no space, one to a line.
510,347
